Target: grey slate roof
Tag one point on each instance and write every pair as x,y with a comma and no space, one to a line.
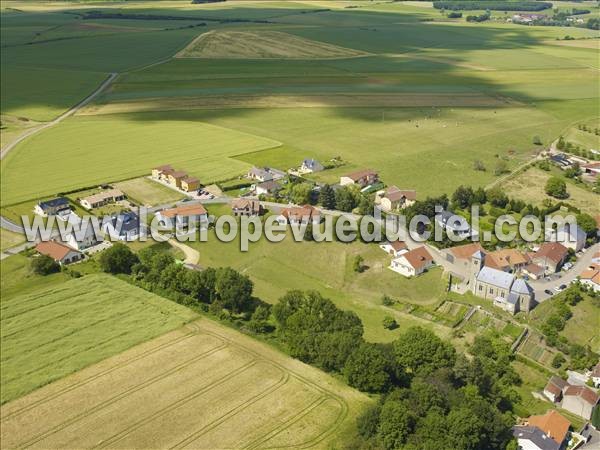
520,286
128,221
536,436
512,298
54,203
495,277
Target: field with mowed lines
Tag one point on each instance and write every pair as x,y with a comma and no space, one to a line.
61,327
202,386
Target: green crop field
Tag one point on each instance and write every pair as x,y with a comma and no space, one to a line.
60,326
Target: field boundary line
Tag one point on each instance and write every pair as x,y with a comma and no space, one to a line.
98,375
107,82
231,375
289,422
252,400
122,395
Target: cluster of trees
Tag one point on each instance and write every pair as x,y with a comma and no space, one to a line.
454,15
593,23
576,150
346,199
44,265
222,291
480,18
580,357
441,400
556,187
492,5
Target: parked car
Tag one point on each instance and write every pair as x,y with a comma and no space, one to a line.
549,292
567,266
563,287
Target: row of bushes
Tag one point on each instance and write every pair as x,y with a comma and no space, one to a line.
491,5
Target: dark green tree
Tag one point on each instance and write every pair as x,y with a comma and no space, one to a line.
368,369
327,197
117,259
44,265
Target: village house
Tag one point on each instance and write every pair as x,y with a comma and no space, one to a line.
184,215
259,174
394,199
123,227
532,438
102,198
507,292
413,262
60,253
300,214
580,400
310,166
162,172
534,271
56,207
554,389
395,248
246,207
83,235
270,187
461,254
453,223
174,178
190,184
590,277
569,235
551,256
507,260
527,18
362,178
553,425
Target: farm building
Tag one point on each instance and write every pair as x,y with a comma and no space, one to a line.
300,214
60,253
183,215
550,256
123,227
362,178
102,198
413,262
394,198
246,207
395,248
310,166
592,168
56,207
580,400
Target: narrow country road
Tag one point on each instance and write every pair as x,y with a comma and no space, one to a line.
191,255
60,118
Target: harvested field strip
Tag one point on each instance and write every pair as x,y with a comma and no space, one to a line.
262,45
343,100
200,390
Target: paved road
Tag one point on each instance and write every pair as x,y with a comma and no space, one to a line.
60,118
10,225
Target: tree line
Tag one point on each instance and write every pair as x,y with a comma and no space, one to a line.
491,5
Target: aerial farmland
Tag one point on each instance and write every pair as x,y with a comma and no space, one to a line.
146,114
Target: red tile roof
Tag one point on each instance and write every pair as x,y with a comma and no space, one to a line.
554,251
54,250
467,250
184,211
361,174
398,245
584,393
553,424
418,258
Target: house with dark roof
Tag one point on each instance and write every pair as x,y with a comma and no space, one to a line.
310,166
122,227
270,187
55,207
413,262
532,438
453,223
259,174
59,252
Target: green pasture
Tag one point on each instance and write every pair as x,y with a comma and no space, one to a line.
52,331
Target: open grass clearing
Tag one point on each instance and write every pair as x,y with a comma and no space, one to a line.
147,192
9,239
262,45
529,186
52,332
203,386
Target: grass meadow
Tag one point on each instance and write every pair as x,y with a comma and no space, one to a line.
61,326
